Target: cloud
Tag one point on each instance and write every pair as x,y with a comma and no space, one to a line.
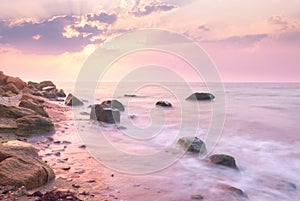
140,11
284,23
103,17
245,40
57,34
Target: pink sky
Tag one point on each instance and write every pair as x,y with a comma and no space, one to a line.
247,40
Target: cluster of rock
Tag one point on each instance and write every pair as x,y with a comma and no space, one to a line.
11,86
108,111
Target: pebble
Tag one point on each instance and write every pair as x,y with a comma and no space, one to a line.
197,197
66,168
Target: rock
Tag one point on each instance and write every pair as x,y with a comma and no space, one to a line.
163,104
225,160
71,100
38,108
14,112
2,91
7,125
48,88
233,190
197,197
36,99
20,84
201,96
193,144
104,114
60,93
45,84
114,104
3,78
33,124
11,87
130,95
66,168
20,165
59,194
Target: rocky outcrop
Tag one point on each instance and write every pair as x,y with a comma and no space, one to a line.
12,88
113,104
201,96
224,160
14,112
193,144
72,100
163,104
33,124
20,84
105,114
35,106
20,165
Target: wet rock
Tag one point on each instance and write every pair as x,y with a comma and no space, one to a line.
66,168
197,197
33,124
113,104
233,190
103,114
193,144
163,104
82,146
45,84
224,160
35,99
201,96
130,95
38,108
14,112
56,195
71,100
20,165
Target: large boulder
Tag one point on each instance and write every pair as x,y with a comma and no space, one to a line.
20,84
72,100
105,114
38,108
45,84
224,160
35,99
193,144
20,165
201,96
163,104
33,124
113,104
11,87
14,112
3,78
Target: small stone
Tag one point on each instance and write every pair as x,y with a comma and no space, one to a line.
197,197
66,168
91,181
57,154
76,186
82,146
57,142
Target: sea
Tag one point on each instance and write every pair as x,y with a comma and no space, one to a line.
256,123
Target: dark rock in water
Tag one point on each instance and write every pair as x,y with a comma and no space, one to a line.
233,190
193,144
104,114
163,104
113,104
14,112
38,108
33,124
20,165
225,160
60,93
72,100
201,96
197,197
130,95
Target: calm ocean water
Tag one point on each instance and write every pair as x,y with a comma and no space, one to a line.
261,131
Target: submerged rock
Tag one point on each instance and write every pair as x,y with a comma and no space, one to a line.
113,104
224,160
72,100
201,96
164,104
104,114
33,124
20,165
193,144
233,190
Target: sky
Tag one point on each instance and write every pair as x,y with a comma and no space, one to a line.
249,41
